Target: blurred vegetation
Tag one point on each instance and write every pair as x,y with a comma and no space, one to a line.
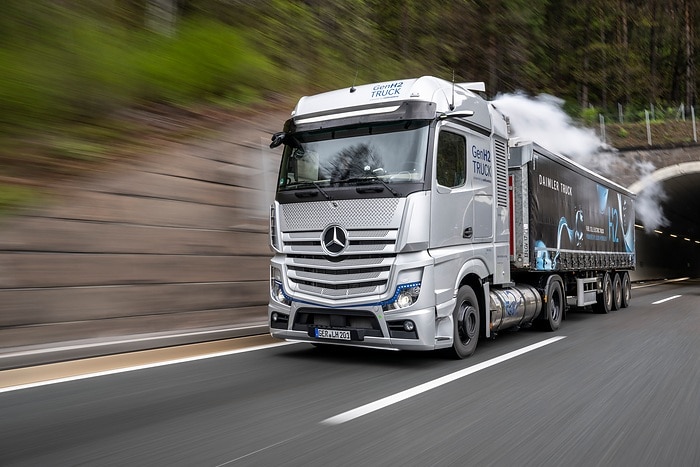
72,69
16,196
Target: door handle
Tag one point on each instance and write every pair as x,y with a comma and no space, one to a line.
468,232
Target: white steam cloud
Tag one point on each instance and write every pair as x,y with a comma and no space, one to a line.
542,119
647,203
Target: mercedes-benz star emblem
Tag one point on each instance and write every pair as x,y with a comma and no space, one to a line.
334,240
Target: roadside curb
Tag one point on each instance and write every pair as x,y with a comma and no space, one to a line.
40,354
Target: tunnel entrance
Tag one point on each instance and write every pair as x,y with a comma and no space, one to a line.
670,250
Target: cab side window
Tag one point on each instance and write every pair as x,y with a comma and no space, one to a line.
451,159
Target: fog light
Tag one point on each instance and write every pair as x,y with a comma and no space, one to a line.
408,326
279,320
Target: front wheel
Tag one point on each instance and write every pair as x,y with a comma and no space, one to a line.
554,308
466,323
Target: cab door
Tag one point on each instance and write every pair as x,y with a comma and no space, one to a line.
452,204
451,219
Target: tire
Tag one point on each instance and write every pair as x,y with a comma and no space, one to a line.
617,292
605,298
554,308
626,289
466,322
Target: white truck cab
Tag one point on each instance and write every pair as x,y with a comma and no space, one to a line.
391,224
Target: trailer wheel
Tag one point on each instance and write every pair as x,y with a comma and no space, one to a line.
554,308
626,289
617,292
604,300
466,323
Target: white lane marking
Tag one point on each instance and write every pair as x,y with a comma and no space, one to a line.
666,299
662,282
403,395
141,367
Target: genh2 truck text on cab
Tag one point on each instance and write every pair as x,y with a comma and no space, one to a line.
406,217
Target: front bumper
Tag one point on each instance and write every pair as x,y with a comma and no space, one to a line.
384,333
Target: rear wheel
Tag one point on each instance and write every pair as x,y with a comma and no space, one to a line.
554,308
617,292
626,289
604,299
466,322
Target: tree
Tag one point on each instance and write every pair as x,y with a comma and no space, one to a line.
689,54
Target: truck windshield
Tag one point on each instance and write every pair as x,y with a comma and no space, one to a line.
392,153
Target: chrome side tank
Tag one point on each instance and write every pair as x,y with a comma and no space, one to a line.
514,306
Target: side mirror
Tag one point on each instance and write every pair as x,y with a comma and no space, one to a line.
277,139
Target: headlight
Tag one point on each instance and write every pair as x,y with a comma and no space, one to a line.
405,296
276,287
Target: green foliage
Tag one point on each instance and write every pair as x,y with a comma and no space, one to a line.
206,60
590,115
26,91
78,150
80,69
76,70
13,197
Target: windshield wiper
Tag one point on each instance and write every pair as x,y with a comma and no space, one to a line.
368,178
309,184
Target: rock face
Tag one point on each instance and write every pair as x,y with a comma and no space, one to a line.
174,242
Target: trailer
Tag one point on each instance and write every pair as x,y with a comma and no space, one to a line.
570,223
407,217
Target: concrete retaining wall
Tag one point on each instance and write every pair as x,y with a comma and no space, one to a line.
176,241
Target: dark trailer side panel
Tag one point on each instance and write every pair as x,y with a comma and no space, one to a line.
577,219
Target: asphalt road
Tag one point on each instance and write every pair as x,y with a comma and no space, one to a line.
619,389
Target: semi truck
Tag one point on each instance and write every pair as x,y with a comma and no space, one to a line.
408,216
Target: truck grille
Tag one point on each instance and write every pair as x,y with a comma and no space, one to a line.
362,267
349,276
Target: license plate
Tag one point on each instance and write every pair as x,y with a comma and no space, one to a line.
332,334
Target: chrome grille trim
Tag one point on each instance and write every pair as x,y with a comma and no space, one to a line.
320,291
372,242
357,235
348,262
322,277
357,249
